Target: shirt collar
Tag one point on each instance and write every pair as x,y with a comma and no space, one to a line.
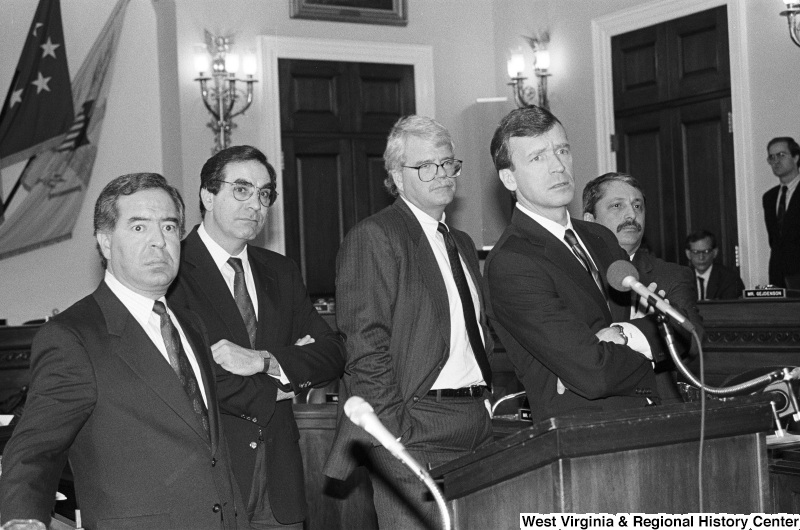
791,185
140,306
218,254
551,226
429,225
705,275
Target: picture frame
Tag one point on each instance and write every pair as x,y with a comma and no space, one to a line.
387,12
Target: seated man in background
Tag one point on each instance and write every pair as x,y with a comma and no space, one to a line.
617,201
571,341
714,280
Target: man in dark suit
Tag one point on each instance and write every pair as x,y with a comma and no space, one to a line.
782,213
267,338
410,301
565,331
617,201
123,384
714,280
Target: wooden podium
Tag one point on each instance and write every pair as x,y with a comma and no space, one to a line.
640,460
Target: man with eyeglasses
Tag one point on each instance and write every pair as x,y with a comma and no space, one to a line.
410,301
782,213
267,339
714,280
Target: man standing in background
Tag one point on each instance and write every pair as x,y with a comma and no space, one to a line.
268,339
782,213
410,301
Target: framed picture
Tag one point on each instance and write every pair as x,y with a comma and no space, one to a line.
391,12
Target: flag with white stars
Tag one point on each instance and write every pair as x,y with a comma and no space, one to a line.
38,108
47,198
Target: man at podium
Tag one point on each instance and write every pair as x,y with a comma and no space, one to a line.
568,334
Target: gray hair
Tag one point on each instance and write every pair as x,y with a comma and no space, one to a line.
413,125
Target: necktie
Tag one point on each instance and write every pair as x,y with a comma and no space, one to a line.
572,241
243,300
180,363
701,288
782,207
473,332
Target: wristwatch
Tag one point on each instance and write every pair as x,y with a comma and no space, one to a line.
266,356
622,334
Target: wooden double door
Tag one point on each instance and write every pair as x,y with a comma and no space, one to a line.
672,105
335,117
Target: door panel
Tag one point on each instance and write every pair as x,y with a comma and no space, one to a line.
384,92
698,53
314,96
320,173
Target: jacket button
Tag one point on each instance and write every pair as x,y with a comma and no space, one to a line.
216,508
255,420
253,445
415,399
213,462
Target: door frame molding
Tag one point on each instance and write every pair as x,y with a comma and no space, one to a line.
272,48
603,28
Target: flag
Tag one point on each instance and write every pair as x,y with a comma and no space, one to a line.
57,179
38,106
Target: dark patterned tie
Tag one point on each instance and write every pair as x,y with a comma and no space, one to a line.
701,291
180,363
243,300
782,208
473,332
572,241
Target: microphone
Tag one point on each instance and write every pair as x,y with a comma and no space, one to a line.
362,414
623,276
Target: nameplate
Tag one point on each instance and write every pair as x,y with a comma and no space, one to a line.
525,415
331,398
777,292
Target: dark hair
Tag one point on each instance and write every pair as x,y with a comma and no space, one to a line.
699,235
595,189
395,153
106,210
794,149
527,121
214,170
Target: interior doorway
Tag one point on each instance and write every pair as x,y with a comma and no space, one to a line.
335,117
672,110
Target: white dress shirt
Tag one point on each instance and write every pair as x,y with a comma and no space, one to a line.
461,369
141,308
221,257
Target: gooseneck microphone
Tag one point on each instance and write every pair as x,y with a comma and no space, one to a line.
362,414
623,276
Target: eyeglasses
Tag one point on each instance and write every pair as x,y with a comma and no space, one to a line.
244,190
698,253
427,172
777,156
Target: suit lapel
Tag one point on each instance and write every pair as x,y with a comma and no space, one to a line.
428,267
206,277
268,304
713,282
136,350
562,258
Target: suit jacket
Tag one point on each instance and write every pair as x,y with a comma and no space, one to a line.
102,391
393,308
248,404
723,284
546,310
784,260
680,288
